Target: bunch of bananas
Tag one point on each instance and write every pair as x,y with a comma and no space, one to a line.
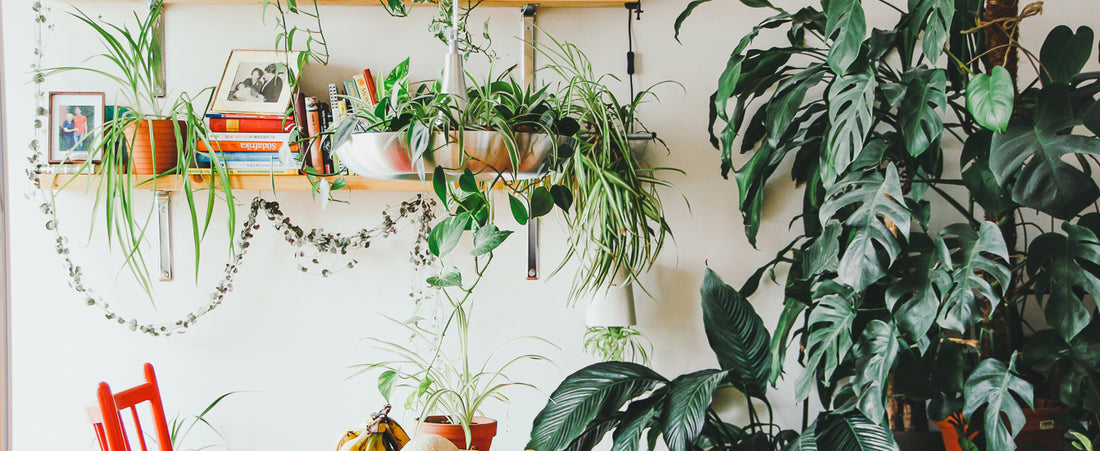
381,433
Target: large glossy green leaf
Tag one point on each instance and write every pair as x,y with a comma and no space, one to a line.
874,356
851,99
583,396
685,409
846,25
924,281
990,98
593,433
824,253
445,236
792,310
919,113
783,129
737,335
845,432
695,4
1065,53
975,255
993,197
1056,263
996,386
487,238
1073,367
829,334
1035,155
937,16
876,199
639,416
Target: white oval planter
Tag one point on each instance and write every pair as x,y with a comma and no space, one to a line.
485,153
614,306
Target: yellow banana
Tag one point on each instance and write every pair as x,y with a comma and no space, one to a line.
394,430
382,433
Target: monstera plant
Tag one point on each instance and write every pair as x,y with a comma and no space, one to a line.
877,287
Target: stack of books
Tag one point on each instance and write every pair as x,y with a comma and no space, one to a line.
251,144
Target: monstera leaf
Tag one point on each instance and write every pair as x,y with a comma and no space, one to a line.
937,16
737,335
919,114
1073,367
846,24
972,255
1035,154
878,200
584,396
829,334
844,432
996,386
1056,263
689,397
925,280
874,356
851,99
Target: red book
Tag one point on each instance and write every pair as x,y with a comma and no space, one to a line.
252,125
245,146
371,88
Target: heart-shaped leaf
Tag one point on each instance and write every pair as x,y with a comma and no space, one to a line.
451,277
563,197
487,238
444,236
990,99
519,210
1065,53
541,202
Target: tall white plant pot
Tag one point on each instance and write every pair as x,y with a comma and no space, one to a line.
613,306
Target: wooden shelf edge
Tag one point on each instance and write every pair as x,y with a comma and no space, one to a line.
257,182
488,3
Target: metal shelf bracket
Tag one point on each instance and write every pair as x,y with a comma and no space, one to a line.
164,222
157,56
528,11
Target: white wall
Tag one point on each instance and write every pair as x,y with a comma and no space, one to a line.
286,339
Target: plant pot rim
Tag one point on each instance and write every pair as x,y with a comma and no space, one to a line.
441,420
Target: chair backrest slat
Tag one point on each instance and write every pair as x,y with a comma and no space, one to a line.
107,419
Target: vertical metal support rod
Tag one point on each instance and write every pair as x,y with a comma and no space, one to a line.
156,59
164,221
528,12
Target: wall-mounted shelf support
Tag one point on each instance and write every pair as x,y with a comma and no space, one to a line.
164,221
157,58
529,37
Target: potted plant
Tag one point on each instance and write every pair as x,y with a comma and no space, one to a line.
940,308
146,140
446,387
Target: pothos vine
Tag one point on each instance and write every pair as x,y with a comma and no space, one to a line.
419,211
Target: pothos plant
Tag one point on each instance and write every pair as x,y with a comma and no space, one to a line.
868,123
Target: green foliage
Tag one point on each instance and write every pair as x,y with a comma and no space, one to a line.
868,125
742,351
844,432
627,399
617,344
999,388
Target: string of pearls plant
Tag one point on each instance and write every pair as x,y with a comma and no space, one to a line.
418,211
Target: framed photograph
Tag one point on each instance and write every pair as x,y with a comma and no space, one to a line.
75,120
254,82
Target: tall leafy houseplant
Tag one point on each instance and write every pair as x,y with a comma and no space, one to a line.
869,119
139,116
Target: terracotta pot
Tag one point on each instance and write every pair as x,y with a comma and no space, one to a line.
1040,428
482,431
141,146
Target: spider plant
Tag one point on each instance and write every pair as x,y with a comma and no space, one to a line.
135,55
618,218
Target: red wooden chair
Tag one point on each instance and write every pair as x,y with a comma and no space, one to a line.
106,415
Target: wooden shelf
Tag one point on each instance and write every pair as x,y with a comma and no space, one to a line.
496,3
258,182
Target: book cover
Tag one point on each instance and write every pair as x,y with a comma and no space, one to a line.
252,125
246,146
243,116
245,136
245,171
372,89
351,90
204,157
361,87
313,127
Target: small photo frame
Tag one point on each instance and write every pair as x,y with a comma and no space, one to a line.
75,121
254,82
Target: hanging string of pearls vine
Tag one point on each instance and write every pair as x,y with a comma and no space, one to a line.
310,247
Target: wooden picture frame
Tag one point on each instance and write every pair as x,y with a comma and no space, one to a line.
254,82
75,121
